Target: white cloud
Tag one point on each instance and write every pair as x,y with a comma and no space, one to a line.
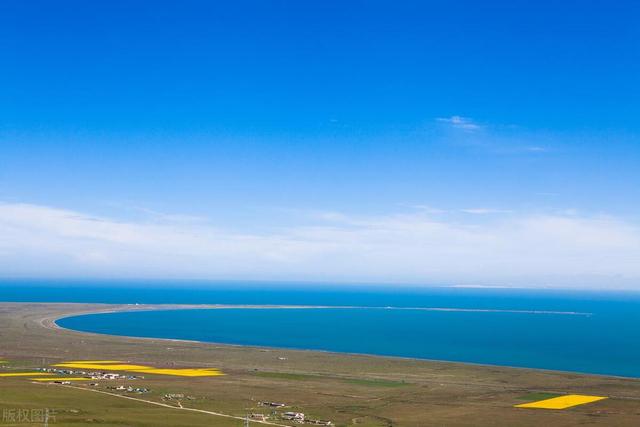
484,211
460,122
497,138
516,249
535,149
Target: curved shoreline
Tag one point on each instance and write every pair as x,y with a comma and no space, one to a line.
51,323
161,307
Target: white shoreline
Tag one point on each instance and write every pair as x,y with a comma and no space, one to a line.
52,322
161,307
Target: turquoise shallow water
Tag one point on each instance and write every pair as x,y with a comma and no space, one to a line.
603,338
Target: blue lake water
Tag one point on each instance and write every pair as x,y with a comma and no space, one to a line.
603,340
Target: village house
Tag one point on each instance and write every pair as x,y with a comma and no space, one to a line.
294,416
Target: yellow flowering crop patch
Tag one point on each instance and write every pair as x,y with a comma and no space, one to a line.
562,402
21,374
114,365
104,367
197,372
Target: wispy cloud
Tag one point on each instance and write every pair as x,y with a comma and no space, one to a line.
459,122
494,137
485,211
535,149
531,249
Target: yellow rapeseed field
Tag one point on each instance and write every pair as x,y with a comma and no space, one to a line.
185,372
561,402
114,365
104,367
22,374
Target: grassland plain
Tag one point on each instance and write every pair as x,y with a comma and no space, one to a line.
346,389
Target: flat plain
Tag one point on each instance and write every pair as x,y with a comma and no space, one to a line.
348,390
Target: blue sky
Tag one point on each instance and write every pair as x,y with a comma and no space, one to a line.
482,143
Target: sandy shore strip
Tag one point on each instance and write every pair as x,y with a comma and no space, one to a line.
50,322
